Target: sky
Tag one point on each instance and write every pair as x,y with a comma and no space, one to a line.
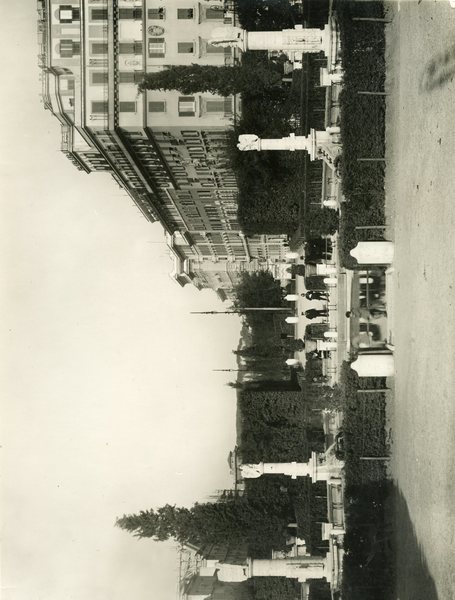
110,403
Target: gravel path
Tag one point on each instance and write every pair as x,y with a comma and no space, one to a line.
420,192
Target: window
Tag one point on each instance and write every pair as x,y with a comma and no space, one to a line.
99,107
130,13
185,13
187,106
69,48
211,49
127,107
99,47
99,14
98,77
131,76
98,62
214,13
214,106
157,14
130,48
157,106
68,14
156,48
185,47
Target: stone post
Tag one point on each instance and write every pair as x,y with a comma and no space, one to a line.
320,145
299,39
313,468
302,568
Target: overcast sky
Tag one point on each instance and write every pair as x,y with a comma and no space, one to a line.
110,402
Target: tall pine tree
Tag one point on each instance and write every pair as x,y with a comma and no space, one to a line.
221,81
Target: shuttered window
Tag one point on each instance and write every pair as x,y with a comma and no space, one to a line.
185,13
99,48
99,77
214,106
187,106
130,47
131,76
214,13
68,14
99,107
157,106
127,107
156,48
157,14
99,14
69,48
211,49
185,47
130,13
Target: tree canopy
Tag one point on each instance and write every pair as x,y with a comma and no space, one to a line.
235,520
258,289
221,81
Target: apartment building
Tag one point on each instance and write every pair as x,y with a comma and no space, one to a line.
167,150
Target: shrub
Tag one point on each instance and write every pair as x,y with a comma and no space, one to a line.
362,122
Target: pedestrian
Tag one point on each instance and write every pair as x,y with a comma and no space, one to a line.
313,313
316,295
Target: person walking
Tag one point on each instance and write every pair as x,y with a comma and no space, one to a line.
313,313
316,295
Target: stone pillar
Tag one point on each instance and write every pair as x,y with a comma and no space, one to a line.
313,469
374,365
325,269
302,568
291,320
373,253
288,40
326,345
327,78
320,145
331,334
293,142
292,362
320,467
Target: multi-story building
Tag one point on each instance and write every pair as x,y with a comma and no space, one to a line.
167,150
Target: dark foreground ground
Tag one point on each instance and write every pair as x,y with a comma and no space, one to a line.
420,197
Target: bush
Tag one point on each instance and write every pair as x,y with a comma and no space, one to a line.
273,186
362,122
364,427
368,563
274,588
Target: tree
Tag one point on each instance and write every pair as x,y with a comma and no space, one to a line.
233,520
323,221
258,289
167,521
221,81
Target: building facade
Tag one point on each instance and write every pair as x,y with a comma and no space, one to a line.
167,150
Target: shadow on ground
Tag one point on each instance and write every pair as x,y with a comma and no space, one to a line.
413,579
439,71
384,560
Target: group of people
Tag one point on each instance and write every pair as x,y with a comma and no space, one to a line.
314,313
